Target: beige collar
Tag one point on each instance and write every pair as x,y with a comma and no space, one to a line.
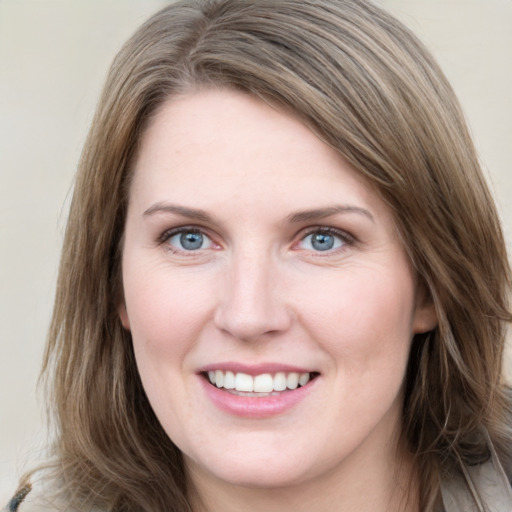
479,488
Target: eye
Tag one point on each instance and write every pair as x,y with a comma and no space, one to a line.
188,240
322,240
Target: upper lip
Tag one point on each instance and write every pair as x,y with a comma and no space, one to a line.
254,369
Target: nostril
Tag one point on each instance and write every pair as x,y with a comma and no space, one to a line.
253,326
249,305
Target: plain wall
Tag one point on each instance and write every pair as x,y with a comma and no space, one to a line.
54,55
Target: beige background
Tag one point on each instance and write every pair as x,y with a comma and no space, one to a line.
53,58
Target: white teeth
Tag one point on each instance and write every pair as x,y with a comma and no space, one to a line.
244,382
303,379
264,383
292,381
229,380
279,381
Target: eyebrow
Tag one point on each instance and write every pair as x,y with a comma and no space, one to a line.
294,218
191,213
322,213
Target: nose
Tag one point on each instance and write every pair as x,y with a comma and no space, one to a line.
252,302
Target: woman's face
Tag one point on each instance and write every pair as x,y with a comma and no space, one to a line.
255,257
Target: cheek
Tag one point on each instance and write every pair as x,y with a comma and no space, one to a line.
166,313
363,316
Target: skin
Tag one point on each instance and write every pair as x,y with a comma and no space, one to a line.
257,291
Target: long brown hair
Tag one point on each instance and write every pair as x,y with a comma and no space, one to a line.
370,90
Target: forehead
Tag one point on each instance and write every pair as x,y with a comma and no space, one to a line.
220,120
218,144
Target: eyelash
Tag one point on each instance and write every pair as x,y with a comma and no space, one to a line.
346,238
167,235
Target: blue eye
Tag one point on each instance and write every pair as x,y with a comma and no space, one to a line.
189,240
321,241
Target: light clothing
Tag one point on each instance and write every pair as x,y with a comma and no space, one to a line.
486,482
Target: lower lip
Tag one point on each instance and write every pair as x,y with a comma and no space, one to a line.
256,407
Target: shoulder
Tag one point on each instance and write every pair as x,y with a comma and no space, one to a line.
482,487
28,499
37,498
17,500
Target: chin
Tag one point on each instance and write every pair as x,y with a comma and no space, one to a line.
246,470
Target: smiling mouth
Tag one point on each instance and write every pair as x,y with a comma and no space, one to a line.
265,384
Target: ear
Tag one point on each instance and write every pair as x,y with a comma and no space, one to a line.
425,316
123,316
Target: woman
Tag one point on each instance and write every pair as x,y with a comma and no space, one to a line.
283,283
